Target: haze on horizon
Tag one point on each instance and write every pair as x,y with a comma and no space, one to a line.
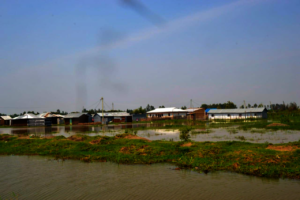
68,54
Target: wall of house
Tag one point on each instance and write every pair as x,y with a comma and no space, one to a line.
19,122
2,122
235,115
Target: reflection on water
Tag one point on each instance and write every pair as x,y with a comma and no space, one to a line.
33,177
155,132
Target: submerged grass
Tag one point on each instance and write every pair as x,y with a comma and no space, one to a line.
241,157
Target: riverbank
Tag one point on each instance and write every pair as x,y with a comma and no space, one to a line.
263,160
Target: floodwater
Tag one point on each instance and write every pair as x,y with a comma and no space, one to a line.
221,134
157,133
36,177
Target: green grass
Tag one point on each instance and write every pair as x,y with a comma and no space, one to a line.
240,157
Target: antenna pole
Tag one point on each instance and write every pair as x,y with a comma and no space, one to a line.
102,110
245,108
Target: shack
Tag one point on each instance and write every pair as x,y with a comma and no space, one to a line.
52,118
169,113
5,120
76,118
28,120
198,114
138,117
238,113
113,117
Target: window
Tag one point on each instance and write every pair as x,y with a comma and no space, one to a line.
254,114
228,115
240,115
212,115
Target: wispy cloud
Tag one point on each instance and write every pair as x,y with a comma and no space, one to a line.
181,23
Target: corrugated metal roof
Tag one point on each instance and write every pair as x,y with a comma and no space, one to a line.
225,111
114,114
6,117
43,114
167,110
54,115
74,115
208,109
28,116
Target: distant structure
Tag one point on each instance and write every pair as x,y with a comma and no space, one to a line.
51,119
237,113
198,114
5,120
117,117
28,120
176,113
76,118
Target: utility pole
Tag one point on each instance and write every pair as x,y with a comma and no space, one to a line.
245,108
102,111
113,106
191,103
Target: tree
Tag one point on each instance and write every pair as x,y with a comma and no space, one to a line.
242,106
149,108
249,105
139,110
183,107
161,106
261,105
204,106
255,105
293,106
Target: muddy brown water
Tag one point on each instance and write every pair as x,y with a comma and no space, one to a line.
153,133
36,177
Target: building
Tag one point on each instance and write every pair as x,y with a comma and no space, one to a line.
28,120
171,112
113,117
237,113
198,114
76,118
52,118
5,120
139,117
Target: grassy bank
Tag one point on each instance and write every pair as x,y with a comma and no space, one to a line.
240,157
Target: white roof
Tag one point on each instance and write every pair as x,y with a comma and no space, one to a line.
6,117
248,110
28,116
114,114
167,110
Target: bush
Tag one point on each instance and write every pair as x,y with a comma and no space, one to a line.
184,134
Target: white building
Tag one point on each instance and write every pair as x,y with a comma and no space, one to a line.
169,112
237,113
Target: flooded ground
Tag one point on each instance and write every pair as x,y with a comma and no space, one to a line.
222,134
36,177
155,132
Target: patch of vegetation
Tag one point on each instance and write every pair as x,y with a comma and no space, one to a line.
232,130
241,157
240,138
207,131
185,133
234,156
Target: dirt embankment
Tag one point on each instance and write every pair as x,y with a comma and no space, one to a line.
186,144
276,124
282,148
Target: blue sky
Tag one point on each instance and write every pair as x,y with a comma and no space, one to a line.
68,54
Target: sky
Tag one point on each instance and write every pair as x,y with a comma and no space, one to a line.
68,54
